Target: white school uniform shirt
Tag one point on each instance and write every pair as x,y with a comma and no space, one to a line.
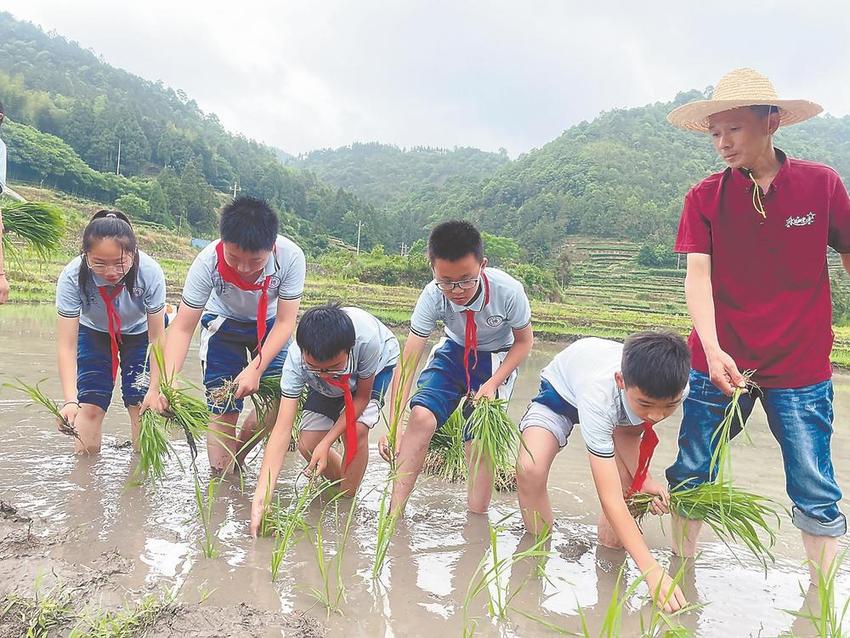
147,297
205,288
375,348
583,375
507,309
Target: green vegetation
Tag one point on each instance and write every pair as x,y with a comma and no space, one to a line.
40,226
37,395
154,446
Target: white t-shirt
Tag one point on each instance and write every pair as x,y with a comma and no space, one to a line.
205,288
375,348
146,298
583,375
506,310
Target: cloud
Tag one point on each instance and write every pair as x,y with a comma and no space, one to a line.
427,72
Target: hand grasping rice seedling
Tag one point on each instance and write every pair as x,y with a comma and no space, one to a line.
495,437
38,224
733,514
733,419
38,396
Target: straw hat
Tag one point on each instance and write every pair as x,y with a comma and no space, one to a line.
741,87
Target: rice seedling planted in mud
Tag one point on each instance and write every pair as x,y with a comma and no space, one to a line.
41,616
205,499
132,620
491,576
387,522
37,395
332,601
38,224
407,368
827,618
733,514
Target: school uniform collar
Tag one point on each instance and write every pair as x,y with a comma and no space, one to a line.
476,304
624,403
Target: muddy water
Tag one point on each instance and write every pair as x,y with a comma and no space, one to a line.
434,553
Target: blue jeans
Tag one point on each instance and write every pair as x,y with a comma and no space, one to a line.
800,420
94,367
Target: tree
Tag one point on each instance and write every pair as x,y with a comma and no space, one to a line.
134,206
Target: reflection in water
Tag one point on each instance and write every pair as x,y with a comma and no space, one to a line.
434,554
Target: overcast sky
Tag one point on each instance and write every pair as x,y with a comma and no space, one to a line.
306,75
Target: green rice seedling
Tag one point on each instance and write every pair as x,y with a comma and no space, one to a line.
40,225
407,368
154,446
827,619
37,395
721,458
332,601
446,458
733,514
296,424
491,576
132,620
267,398
387,522
42,615
186,412
495,438
658,625
205,499
286,524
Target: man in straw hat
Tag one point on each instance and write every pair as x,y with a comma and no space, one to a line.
757,288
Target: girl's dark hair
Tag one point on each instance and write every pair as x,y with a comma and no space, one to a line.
109,224
325,331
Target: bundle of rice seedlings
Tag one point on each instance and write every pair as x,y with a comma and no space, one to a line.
495,438
266,399
446,458
186,412
36,394
38,224
721,458
224,396
735,515
154,446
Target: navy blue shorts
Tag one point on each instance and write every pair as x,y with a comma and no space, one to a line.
94,367
331,407
227,346
442,383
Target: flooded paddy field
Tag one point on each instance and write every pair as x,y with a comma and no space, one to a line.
83,524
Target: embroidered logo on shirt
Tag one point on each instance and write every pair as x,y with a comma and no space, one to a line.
803,220
494,321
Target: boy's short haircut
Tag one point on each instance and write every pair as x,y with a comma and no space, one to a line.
250,223
453,240
325,331
657,363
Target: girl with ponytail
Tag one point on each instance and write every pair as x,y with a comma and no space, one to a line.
111,304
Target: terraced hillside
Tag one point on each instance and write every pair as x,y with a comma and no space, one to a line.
610,294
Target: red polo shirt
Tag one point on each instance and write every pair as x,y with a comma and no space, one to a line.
769,277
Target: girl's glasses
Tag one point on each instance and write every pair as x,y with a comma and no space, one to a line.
100,268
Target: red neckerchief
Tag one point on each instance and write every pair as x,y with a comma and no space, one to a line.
229,275
647,446
114,322
350,420
470,337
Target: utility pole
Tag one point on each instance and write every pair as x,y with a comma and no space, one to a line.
118,165
359,228
236,188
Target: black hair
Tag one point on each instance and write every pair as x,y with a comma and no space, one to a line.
109,224
250,223
453,240
657,363
325,331
764,110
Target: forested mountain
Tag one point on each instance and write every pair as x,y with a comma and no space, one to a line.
382,173
621,175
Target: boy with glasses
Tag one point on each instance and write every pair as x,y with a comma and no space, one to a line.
345,358
488,333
